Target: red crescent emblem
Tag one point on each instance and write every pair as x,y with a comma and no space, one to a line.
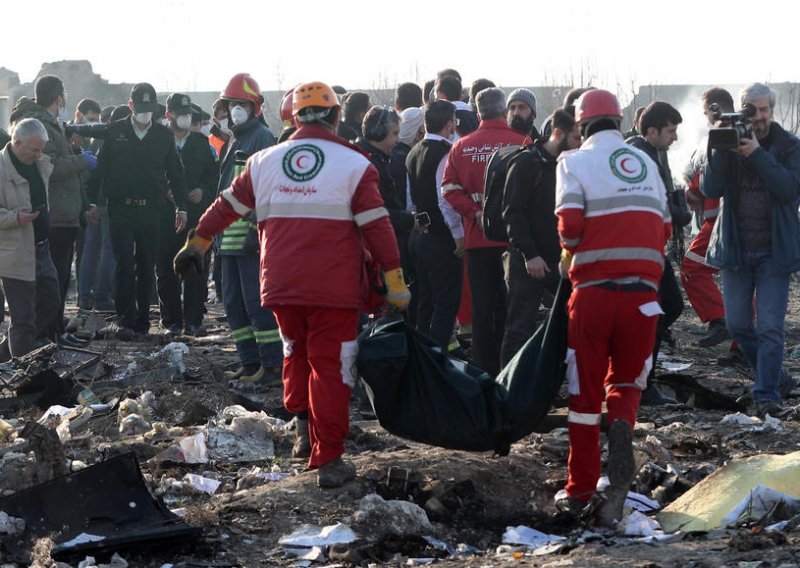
624,169
299,161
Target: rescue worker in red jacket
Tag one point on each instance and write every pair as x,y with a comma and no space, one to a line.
317,206
697,276
462,187
613,222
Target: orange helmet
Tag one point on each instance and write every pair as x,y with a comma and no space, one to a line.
314,94
286,107
595,104
242,87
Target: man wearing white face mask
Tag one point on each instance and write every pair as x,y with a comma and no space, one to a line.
136,167
65,198
253,327
202,173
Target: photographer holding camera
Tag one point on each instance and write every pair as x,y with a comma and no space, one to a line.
756,240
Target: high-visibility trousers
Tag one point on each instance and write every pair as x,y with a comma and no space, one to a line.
319,357
610,347
697,277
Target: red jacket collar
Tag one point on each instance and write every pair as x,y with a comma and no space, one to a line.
316,131
494,123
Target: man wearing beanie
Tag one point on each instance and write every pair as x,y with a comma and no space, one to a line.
522,112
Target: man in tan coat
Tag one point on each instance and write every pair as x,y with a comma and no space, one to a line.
29,278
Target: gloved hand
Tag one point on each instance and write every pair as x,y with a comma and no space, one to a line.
91,160
191,255
397,294
564,264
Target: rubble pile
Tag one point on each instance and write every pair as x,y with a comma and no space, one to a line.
150,431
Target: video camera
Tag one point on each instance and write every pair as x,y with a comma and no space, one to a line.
738,125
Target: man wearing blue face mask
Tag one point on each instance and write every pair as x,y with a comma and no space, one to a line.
137,167
65,198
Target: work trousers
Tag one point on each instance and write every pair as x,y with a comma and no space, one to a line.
320,349
671,301
253,327
439,277
180,302
523,298
488,306
96,272
62,251
33,305
610,339
134,239
697,277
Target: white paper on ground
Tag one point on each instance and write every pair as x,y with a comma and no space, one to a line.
529,537
313,535
314,554
637,524
194,448
55,410
673,367
741,419
759,502
82,538
201,483
634,500
651,309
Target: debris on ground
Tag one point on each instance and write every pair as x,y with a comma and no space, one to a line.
214,468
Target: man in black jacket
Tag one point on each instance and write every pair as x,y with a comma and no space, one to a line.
381,133
659,129
136,166
436,250
529,202
202,173
354,107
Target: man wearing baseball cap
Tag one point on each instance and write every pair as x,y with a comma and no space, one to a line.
181,303
137,167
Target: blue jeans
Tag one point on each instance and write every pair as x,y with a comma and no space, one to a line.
760,335
97,262
253,327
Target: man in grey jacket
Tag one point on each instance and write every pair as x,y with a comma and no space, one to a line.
26,269
66,199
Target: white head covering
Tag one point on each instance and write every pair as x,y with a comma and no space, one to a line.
411,120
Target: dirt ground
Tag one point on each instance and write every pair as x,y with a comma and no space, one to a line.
480,494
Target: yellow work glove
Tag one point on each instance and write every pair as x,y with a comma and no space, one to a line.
397,294
191,255
565,263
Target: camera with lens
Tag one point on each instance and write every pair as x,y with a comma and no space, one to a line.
737,125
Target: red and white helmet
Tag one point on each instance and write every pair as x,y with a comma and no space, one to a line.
242,87
286,107
596,104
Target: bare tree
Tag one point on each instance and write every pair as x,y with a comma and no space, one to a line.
788,107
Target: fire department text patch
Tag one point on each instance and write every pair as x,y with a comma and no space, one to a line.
628,166
303,162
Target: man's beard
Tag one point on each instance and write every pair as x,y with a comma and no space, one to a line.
563,146
522,124
761,129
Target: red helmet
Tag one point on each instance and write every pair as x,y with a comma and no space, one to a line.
286,108
242,87
596,103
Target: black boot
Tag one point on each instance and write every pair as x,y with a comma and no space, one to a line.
621,471
717,333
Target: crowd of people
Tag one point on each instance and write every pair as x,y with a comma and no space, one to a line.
351,197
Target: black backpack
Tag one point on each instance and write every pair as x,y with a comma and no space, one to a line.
494,188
